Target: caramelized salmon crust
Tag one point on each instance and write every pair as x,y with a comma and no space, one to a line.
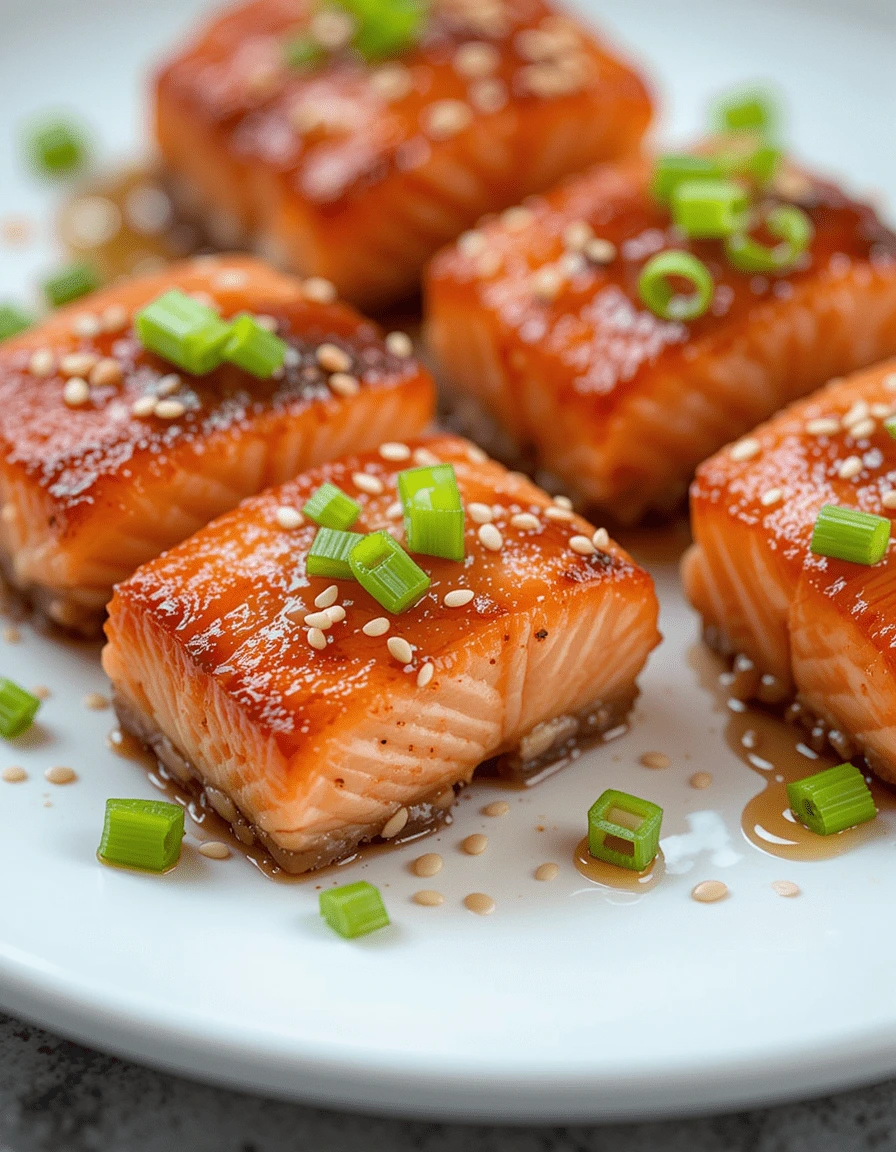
314,750
359,172
820,630
542,339
94,484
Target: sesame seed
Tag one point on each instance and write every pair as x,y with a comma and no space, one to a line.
328,597
849,468
858,412
490,537
563,502
470,243
480,513
372,485
525,521
476,59
488,95
428,865
744,449
77,363
400,649
786,888
425,458
332,358
14,774
336,613
475,454
288,517
344,384
600,251
547,872
41,691
12,635
114,318
771,496
475,845
655,760
488,263
86,325
377,627
42,363
582,544
823,426
145,406
168,385
399,344
394,825
479,903
700,780
555,513
231,278
577,234
394,451
169,409
428,898
446,118
395,510
60,774
547,283
332,28
458,597
76,392
96,701
601,539
517,218
214,849
889,382
572,264
317,639
269,323
496,808
318,290
881,411
318,620
391,82
709,891
106,373
549,78
862,429
889,499
426,673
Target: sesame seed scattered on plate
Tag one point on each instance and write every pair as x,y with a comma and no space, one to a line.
583,545
475,845
169,409
399,344
547,872
377,627
709,891
823,426
849,468
336,613
318,290
392,450
395,824
475,454
106,373
490,537
372,485
427,865
317,639
744,449
786,888
555,513
480,903
60,774
888,500
42,363
525,521
601,538
400,649
700,780
96,701
214,849
332,358
428,898
496,808
426,673
168,384
288,517
144,406
318,620
655,760
344,384
458,597
517,218
76,392
480,513
771,496
15,774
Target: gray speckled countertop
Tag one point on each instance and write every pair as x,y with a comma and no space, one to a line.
56,1096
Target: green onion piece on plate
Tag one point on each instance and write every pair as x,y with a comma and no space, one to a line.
302,53
890,425
383,568
788,224
331,508
144,834
832,801
329,554
624,830
750,110
354,909
848,534
707,209
674,169
17,709
183,332
749,158
385,27
433,512
253,348
657,290
12,320
56,146
70,283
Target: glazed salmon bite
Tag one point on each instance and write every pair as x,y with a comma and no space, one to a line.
109,454
312,719
286,130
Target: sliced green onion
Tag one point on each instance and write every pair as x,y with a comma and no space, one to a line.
832,801
12,320
384,569
253,348
354,909
673,169
750,110
848,534
752,159
890,425
70,284
145,834
17,709
709,208
183,331
331,508
790,225
433,512
329,554
658,293
385,27
302,52
624,830
56,146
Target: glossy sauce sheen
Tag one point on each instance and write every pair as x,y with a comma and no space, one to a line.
612,876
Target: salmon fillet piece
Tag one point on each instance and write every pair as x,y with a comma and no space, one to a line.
555,348
91,490
358,172
312,752
823,630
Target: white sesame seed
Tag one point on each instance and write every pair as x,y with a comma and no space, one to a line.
393,826
332,28
426,673
488,95
889,382
332,358
582,544
889,499
475,845
318,290
849,468
395,510
555,513
490,538
336,613
770,496
458,597
86,325
269,323
744,449
145,406
372,485
77,363
547,283
488,263
378,627
572,264
60,774
600,251
317,639
168,385
42,363
15,774
399,344
106,373
96,701
517,218
480,513
601,539
476,59
344,384
446,118
881,411
563,502
525,521
391,82
328,597
823,426
231,278
319,620
214,849
470,243
858,412
76,392
577,234
863,429
425,458
169,409
392,450
400,649
115,318
288,518
475,455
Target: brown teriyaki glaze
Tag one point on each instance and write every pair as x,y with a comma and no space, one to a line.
612,876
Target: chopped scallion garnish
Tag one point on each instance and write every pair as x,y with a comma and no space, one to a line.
385,27
57,146
832,801
673,169
624,830
183,332
384,569
790,225
331,508
354,909
17,709
329,554
12,320
708,209
750,110
144,834
433,512
70,283
745,156
253,348
656,285
848,534
890,425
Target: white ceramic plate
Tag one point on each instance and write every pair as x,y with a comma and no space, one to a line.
571,1001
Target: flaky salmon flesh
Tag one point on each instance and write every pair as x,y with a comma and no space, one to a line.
97,481
537,324
819,629
359,172
313,750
